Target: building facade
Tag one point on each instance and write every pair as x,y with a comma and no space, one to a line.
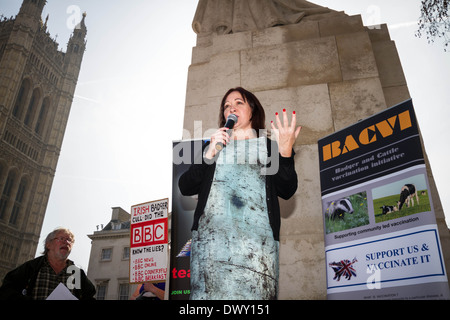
37,85
109,261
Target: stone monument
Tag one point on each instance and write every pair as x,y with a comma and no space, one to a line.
325,65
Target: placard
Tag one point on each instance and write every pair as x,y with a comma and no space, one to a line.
149,241
381,236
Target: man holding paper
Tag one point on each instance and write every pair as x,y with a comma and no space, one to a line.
37,279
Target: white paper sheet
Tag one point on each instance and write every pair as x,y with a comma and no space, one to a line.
61,293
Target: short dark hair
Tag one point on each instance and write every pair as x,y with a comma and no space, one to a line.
258,115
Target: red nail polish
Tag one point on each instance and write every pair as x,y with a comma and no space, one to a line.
276,113
284,110
293,112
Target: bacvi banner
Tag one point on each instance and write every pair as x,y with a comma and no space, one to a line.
381,237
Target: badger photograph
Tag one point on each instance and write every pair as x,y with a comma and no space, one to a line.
346,213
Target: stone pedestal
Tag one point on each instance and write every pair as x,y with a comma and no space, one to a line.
333,71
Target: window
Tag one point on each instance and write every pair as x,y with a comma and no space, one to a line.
18,204
106,254
39,129
101,290
29,116
8,249
6,194
126,253
116,225
3,200
21,97
124,291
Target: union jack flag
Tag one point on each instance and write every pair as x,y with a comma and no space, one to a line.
343,268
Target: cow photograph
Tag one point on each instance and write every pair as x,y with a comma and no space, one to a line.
401,198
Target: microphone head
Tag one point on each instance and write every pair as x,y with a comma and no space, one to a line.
231,121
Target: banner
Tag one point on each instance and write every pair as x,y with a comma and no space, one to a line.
381,237
149,241
185,153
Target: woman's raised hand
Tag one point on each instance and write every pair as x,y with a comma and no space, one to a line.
285,133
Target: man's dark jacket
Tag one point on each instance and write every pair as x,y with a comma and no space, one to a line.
19,283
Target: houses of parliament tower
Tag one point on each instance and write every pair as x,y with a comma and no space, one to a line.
37,84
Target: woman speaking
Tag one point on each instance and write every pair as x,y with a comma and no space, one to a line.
236,229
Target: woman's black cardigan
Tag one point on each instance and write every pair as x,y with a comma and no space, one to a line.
283,184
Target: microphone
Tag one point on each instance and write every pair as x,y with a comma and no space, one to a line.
231,120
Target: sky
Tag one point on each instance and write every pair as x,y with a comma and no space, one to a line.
129,102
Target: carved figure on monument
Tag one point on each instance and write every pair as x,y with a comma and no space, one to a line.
231,16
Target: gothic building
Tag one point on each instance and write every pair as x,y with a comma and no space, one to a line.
37,84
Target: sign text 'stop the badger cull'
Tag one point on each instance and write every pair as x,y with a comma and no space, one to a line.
379,145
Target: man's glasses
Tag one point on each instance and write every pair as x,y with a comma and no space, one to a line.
64,239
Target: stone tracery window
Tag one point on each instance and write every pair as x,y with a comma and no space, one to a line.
18,202
32,107
6,193
42,117
19,105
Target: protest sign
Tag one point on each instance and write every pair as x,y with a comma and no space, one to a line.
381,237
149,241
185,153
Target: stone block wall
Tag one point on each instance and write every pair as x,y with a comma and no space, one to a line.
329,68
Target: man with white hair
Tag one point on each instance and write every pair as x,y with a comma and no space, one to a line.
36,279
